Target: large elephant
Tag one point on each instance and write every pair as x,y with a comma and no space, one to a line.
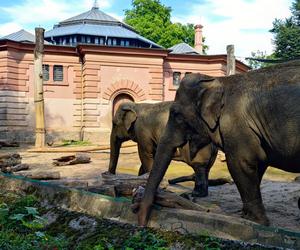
253,117
144,123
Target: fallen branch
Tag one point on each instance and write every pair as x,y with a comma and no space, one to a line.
41,175
71,160
211,182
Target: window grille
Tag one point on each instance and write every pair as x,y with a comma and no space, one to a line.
46,72
176,78
58,73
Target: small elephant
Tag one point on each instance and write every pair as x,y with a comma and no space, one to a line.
144,123
254,118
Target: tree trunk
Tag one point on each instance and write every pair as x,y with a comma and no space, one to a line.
38,88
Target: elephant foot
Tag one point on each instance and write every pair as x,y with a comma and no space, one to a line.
107,173
255,211
199,193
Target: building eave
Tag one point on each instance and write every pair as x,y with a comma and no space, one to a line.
29,47
209,59
98,49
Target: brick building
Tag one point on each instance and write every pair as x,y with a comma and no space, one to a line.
92,63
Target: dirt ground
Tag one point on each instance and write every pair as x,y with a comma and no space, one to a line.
279,190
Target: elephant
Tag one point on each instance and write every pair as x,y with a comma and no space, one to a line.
254,118
144,123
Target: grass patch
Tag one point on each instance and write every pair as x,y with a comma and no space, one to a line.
66,143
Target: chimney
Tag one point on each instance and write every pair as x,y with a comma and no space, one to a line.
198,39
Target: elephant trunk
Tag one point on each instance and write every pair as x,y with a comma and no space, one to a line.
164,154
115,145
163,157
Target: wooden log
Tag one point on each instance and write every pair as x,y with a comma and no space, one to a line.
230,60
41,175
9,160
114,179
211,182
12,155
8,144
38,89
130,185
171,200
105,190
72,160
15,168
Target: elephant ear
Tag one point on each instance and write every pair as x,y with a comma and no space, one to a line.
129,117
210,102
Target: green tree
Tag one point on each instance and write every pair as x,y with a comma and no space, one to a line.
287,34
258,58
153,21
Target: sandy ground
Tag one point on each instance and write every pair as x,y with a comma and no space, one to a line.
279,190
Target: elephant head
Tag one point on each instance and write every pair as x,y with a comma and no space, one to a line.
194,114
122,127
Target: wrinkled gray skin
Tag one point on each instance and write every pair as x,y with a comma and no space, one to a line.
144,123
253,117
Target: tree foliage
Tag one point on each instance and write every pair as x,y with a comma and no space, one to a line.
256,64
287,34
153,20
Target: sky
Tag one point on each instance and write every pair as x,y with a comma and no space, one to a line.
244,23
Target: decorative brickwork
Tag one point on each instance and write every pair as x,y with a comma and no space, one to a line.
126,87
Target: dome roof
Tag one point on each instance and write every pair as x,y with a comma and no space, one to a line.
98,24
93,16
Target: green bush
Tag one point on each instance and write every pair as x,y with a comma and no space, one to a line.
145,240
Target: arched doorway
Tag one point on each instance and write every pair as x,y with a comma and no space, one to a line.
119,99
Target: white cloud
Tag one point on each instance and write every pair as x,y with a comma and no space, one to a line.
8,28
244,23
47,12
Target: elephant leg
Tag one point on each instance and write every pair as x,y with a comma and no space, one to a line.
247,174
201,181
146,157
142,170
